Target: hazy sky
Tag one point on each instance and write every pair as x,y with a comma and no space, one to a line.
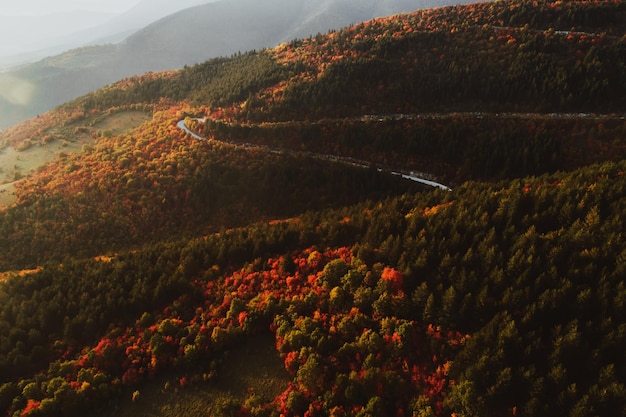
36,26
34,7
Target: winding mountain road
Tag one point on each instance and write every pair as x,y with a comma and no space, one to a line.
420,177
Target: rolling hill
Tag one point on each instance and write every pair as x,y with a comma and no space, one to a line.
139,271
184,38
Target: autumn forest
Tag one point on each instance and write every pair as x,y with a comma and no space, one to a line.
295,214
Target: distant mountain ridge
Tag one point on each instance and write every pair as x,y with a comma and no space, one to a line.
76,29
20,42
250,24
185,38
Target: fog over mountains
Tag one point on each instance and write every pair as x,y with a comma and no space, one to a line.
185,37
68,30
19,43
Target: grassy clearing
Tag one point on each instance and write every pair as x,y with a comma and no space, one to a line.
31,155
251,368
122,122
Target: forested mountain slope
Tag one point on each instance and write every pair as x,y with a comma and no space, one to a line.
226,27
152,254
218,28
531,80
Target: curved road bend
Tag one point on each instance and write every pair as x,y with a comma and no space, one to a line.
409,175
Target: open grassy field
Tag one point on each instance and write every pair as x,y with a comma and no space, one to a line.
122,122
